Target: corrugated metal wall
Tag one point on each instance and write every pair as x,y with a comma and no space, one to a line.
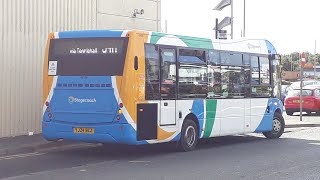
24,26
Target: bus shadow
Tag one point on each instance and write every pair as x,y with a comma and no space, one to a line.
217,145
116,151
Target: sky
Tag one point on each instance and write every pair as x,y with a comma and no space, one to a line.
290,25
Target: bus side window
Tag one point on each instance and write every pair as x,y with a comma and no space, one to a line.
193,80
152,86
214,75
168,73
255,75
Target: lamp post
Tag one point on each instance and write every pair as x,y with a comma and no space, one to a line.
244,18
222,5
231,2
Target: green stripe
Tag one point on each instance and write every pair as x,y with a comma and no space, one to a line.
211,107
188,40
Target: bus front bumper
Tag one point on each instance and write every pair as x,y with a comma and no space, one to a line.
111,133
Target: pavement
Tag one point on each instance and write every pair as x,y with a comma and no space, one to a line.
30,144
34,143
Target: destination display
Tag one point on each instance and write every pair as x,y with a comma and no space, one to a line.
88,56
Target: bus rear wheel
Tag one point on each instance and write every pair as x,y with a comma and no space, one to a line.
189,136
277,127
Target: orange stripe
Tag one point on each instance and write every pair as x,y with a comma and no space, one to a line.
133,81
47,80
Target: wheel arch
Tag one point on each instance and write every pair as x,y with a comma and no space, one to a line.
194,118
278,110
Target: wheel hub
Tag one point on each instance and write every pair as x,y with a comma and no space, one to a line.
190,136
276,125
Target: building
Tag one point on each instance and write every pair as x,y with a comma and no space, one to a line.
23,33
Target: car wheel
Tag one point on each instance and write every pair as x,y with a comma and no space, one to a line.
277,127
289,113
189,136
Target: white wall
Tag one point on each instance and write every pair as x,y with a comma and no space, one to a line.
120,11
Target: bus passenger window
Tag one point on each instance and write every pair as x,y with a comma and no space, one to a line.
193,81
264,70
232,82
152,87
168,74
255,77
214,57
214,79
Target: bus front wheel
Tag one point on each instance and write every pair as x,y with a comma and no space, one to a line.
189,136
277,127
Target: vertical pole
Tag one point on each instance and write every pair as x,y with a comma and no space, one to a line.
216,28
231,19
291,59
244,18
315,60
302,61
301,78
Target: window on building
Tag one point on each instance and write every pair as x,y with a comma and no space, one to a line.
193,79
152,72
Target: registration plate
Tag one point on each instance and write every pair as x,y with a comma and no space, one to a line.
297,101
83,130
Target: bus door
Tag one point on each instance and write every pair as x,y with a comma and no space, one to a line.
247,115
168,86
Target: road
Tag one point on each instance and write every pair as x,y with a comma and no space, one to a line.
294,156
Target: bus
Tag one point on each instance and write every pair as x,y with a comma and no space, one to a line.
139,87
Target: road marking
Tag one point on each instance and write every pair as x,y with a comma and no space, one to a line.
139,161
20,156
315,144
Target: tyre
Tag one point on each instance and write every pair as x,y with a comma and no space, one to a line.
189,136
277,127
289,113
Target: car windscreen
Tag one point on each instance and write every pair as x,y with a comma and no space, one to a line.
305,92
87,56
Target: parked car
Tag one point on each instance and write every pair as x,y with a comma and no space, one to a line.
310,100
296,85
284,92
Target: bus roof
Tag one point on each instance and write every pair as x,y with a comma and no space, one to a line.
259,46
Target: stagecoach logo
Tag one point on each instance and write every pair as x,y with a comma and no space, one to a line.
72,100
252,46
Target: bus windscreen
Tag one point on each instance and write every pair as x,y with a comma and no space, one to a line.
88,56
